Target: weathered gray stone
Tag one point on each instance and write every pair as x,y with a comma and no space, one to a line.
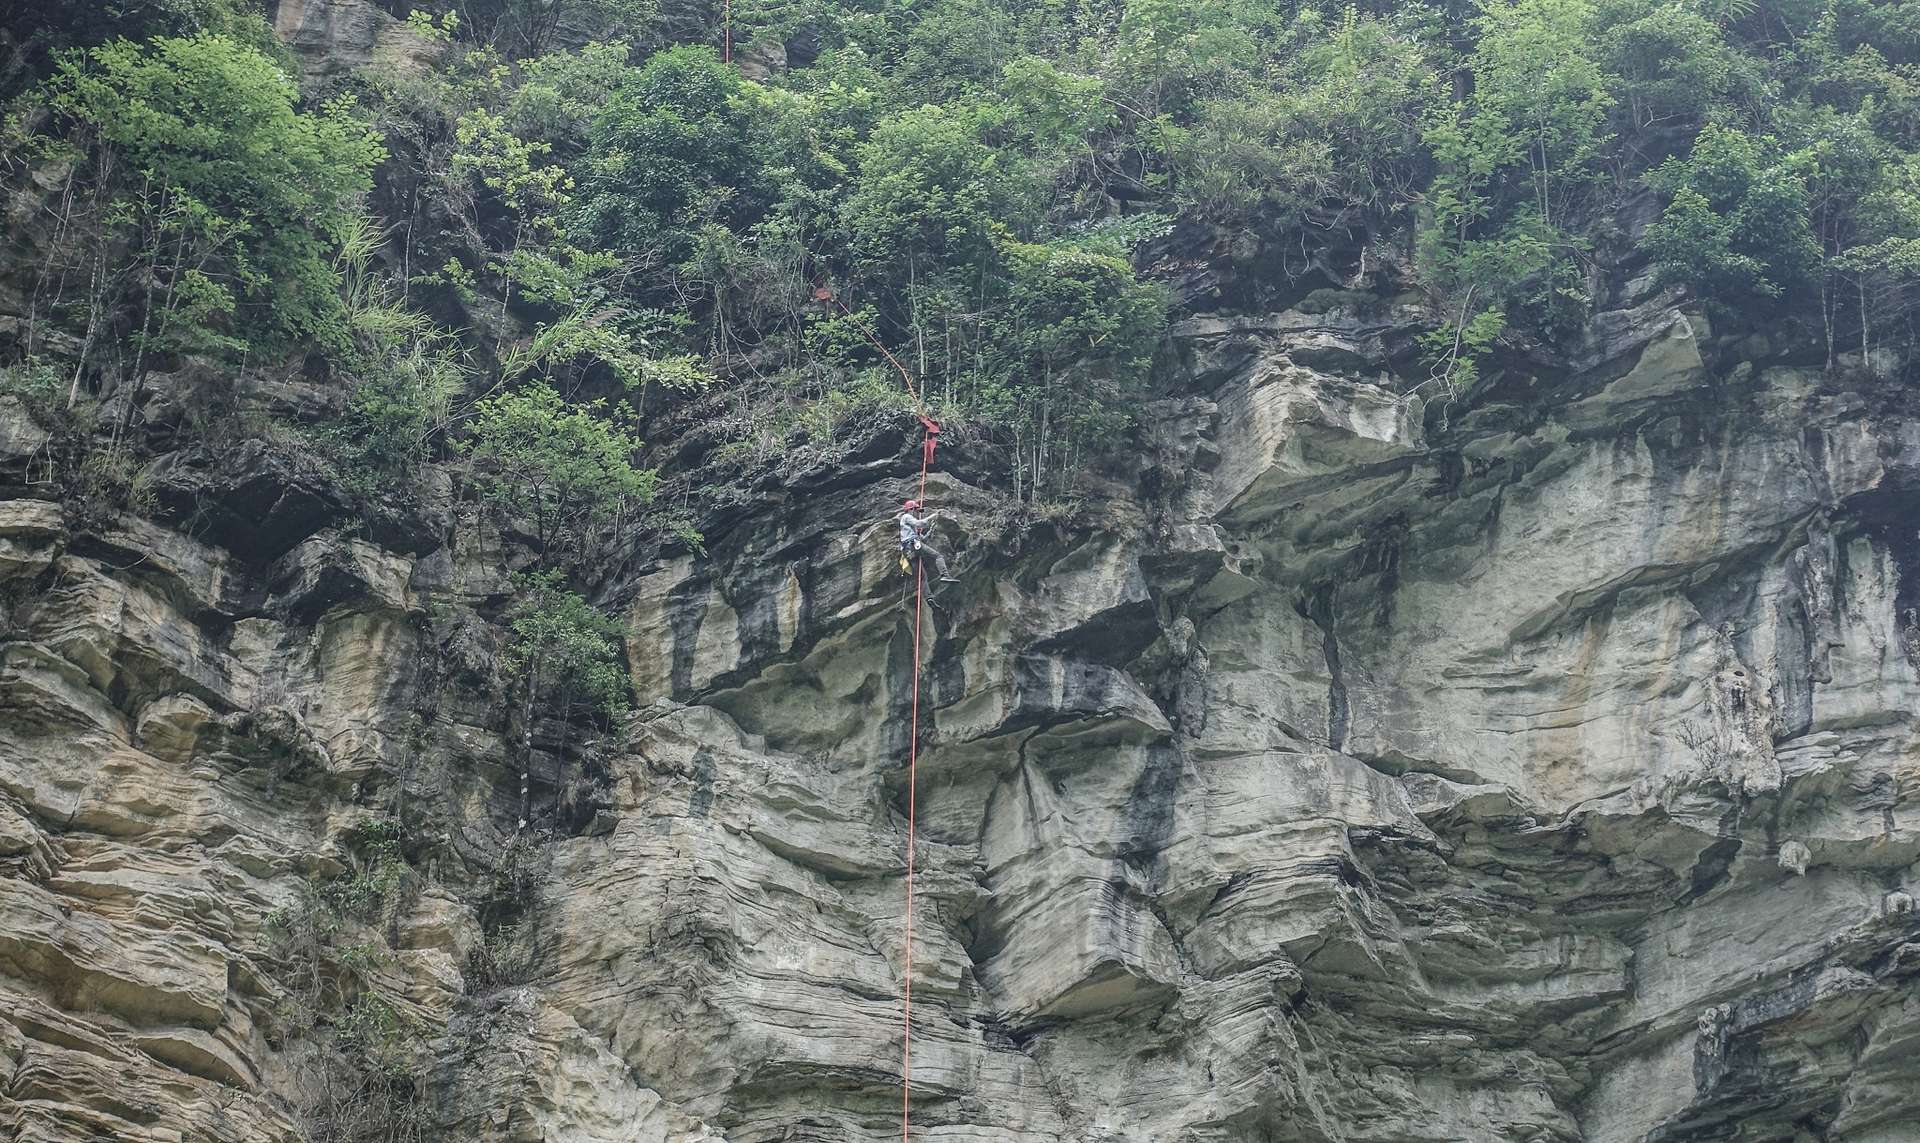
1533,765
329,37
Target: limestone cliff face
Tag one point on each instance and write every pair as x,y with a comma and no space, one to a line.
1364,764
1538,766
1535,768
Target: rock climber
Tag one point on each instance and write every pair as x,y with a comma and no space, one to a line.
913,539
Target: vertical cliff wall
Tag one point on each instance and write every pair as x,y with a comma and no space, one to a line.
1535,767
1359,761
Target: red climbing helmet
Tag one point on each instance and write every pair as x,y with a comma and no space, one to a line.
910,505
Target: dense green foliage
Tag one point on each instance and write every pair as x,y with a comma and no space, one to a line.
482,242
561,468
1778,139
668,154
562,644
202,210
406,374
242,198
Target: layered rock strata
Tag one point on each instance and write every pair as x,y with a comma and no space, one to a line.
1538,765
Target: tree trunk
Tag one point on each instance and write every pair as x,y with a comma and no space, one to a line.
94,301
1866,355
526,741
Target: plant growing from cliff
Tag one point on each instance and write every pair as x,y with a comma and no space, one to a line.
669,152
1735,225
1514,162
1539,105
1827,209
377,871
95,476
528,250
1456,348
375,1030
1338,119
933,194
597,334
362,1052
405,373
509,914
215,204
368,890
562,649
372,1085
564,469
1073,342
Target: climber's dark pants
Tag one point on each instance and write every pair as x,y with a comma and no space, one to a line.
921,550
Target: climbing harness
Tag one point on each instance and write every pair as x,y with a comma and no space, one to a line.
930,439
910,541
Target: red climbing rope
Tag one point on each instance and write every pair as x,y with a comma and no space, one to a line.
913,751
913,785
823,294
927,445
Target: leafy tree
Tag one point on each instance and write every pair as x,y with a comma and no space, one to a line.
219,205
564,650
1671,62
1737,225
1339,120
931,192
556,632
1075,338
561,94
667,154
1169,55
613,338
1539,101
492,145
1058,111
533,254
957,49
564,468
1514,162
